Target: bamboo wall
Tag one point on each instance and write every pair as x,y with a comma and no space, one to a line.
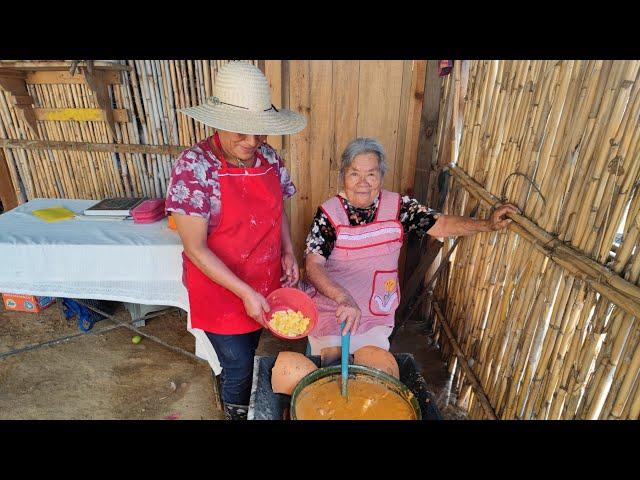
544,339
341,99
151,92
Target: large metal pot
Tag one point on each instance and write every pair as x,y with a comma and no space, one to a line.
356,371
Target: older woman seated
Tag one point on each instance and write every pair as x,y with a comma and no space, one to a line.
353,248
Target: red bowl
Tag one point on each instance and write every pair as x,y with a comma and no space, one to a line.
291,299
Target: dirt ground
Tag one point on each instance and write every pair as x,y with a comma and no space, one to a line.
103,375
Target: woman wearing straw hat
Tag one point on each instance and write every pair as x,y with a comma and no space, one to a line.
226,196
353,247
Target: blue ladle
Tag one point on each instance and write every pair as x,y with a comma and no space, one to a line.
346,339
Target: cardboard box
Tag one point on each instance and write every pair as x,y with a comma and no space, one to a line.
26,303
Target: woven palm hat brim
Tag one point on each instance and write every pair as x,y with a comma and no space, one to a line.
234,119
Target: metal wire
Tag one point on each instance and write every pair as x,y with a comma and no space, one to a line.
118,323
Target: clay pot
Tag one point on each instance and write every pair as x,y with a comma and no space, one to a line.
289,369
376,357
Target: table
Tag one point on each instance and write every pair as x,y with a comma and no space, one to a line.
95,259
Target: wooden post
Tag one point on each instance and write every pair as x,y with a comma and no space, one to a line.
428,126
471,377
7,192
97,82
411,288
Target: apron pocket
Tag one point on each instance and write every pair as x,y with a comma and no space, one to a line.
385,293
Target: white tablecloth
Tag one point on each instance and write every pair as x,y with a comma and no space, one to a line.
94,259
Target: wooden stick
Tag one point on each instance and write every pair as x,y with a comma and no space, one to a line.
465,366
188,102
92,147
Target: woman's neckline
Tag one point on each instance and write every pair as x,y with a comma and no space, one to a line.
372,205
213,149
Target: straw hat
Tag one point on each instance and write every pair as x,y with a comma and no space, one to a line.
241,103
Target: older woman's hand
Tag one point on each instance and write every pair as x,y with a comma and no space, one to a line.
499,219
349,312
290,270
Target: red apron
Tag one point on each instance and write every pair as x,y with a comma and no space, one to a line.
247,240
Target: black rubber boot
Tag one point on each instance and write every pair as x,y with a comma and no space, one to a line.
235,412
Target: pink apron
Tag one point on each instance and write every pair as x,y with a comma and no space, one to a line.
364,261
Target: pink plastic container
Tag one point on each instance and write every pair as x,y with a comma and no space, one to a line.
291,299
149,211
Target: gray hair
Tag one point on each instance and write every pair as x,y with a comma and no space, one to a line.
358,147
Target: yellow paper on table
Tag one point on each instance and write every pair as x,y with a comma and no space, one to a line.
54,214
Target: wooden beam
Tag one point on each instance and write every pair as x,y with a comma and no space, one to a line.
7,192
49,77
426,137
57,65
19,100
120,115
12,79
97,83
464,362
29,117
411,140
91,147
428,127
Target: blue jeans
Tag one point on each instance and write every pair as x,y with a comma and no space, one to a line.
235,353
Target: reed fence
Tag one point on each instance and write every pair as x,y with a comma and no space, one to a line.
546,312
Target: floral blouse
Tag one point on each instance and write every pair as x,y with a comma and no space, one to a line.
413,216
194,188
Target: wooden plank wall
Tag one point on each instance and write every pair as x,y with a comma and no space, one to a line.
345,99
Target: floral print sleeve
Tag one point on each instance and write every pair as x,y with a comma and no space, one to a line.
194,189
416,217
322,236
